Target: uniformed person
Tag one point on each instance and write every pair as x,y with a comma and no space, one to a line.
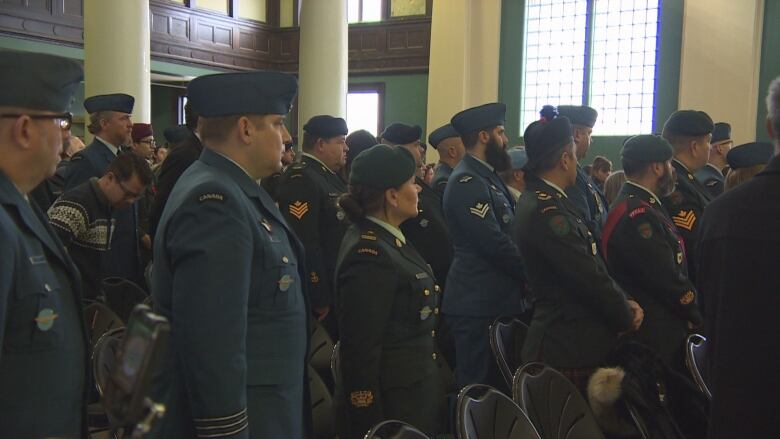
271,184
109,121
584,194
747,160
712,174
451,151
579,310
515,176
689,133
387,303
645,252
486,278
307,195
43,354
228,274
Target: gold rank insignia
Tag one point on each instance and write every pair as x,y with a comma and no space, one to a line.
685,220
480,210
368,251
298,209
679,257
361,398
465,179
548,208
543,196
368,236
687,298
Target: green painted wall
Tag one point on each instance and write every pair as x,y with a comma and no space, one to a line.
770,62
667,73
406,97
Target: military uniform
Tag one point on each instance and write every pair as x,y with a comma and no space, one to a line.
388,308
646,255
307,196
441,177
712,179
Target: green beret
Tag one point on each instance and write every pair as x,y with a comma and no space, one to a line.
690,123
37,81
442,133
478,118
721,132
382,167
401,134
325,126
647,148
177,133
750,154
231,94
119,102
579,114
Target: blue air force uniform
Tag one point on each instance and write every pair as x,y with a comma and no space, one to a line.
443,170
486,278
229,276
710,176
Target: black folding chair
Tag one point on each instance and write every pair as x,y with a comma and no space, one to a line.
553,403
335,364
695,354
507,335
122,295
100,319
484,412
392,429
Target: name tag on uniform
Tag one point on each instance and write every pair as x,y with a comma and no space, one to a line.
421,275
37,260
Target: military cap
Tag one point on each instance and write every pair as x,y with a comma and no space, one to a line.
579,114
177,133
401,133
750,154
118,102
382,167
442,133
359,141
141,130
688,123
325,126
647,148
721,132
546,135
37,81
518,156
231,94
478,118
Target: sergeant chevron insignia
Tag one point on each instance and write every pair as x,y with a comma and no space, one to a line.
685,220
298,209
480,210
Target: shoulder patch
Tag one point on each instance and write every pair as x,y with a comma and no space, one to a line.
465,179
645,230
559,225
638,211
685,220
298,209
213,196
480,210
361,398
368,251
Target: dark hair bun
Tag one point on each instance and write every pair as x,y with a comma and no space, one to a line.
548,113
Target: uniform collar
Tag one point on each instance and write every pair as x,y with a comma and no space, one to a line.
652,194
681,164
114,150
395,231
715,168
306,154
492,169
554,186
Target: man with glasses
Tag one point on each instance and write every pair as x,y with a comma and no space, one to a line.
83,217
43,341
144,146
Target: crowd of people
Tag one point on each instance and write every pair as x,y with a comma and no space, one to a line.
244,249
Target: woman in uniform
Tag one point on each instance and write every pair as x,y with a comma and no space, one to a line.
387,303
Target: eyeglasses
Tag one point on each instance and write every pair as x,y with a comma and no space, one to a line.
64,119
129,195
152,143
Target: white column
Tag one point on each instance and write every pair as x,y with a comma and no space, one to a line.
322,71
116,52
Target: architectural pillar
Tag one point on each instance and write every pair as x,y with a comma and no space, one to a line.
116,52
322,71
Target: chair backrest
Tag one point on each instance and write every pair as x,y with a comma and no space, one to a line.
507,335
104,357
553,403
695,354
321,347
122,295
322,407
335,364
100,319
392,429
484,412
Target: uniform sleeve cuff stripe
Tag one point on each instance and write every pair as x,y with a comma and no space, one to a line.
243,426
223,424
229,418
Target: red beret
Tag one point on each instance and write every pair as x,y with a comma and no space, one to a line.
141,130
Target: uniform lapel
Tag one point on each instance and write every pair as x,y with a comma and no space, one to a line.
404,249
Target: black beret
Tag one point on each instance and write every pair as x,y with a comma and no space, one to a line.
579,114
689,123
230,94
546,135
401,134
177,133
647,148
119,102
478,118
325,126
37,81
750,154
442,133
721,132
382,167
359,141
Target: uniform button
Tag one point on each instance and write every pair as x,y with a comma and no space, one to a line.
427,292
436,288
285,259
436,310
47,287
433,355
433,333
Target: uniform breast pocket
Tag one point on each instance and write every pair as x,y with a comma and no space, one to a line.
422,302
33,315
277,284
